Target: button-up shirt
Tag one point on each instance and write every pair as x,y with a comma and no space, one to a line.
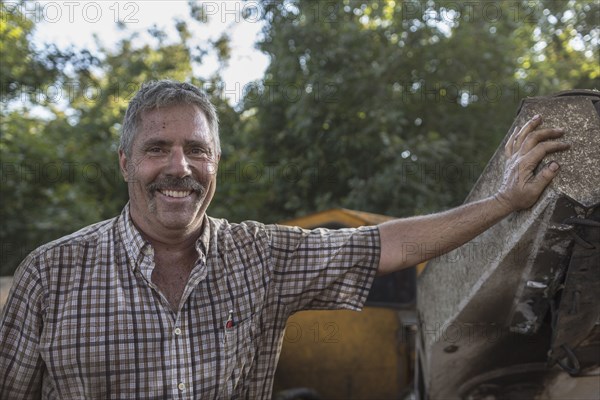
85,320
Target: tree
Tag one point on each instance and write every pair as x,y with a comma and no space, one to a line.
383,106
61,126
395,107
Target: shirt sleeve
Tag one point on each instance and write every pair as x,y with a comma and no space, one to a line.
322,268
21,366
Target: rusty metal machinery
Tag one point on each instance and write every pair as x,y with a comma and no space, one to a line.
515,312
574,301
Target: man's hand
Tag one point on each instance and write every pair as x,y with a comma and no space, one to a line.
524,150
409,241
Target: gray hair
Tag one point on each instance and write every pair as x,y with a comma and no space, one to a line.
163,93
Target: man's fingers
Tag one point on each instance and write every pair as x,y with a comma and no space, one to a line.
518,135
533,157
539,136
524,132
508,147
545,175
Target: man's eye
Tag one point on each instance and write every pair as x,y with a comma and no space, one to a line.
154,150
198,151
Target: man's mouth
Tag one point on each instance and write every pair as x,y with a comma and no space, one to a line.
176,193
177,188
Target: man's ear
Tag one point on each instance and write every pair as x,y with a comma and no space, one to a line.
123,165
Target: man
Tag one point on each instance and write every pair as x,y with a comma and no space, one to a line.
166,302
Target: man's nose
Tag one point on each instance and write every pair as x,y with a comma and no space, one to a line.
179,165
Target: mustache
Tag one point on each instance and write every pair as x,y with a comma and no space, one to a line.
172,183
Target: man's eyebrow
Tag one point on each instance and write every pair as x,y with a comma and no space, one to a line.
163,142
156,142
201,143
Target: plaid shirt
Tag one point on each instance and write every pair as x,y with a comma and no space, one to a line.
84,320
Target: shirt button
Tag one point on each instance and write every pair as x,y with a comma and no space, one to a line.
177,331
181,386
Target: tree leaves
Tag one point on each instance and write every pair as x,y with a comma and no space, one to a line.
59,142
419,95
386,106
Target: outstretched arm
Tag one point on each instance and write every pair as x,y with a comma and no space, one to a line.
409,241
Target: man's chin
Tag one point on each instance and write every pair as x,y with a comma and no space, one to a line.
178,217
180,224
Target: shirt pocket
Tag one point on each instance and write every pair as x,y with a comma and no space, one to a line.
239,349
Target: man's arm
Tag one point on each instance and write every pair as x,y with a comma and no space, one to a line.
407,242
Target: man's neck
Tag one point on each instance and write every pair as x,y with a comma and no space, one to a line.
177,241
176,245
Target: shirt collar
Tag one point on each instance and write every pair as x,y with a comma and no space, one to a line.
134,243
137,247
203,241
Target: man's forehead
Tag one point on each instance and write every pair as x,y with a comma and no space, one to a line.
185,121
174,113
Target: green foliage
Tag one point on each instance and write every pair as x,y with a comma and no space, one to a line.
385,106
60,130
399,105
18,68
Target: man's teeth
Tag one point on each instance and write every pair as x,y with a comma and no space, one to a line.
176,193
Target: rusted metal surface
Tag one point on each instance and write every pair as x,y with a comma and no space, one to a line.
578,307
485,309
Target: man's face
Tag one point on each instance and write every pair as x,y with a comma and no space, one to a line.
171,172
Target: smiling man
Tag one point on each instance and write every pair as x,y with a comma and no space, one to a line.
164,301
170,166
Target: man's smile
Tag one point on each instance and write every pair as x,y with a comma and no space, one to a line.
176,193
177,188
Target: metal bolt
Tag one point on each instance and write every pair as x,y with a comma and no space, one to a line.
536,285
450,349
